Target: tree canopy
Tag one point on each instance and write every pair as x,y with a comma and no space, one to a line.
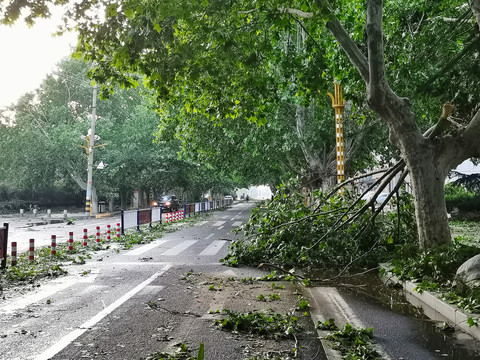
225,60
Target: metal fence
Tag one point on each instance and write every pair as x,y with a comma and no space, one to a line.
135,218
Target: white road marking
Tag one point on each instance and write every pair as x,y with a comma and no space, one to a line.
218,223
200,223
233,218
237,223
221,227
142,249
69,338
344,308
180,247
213,248
137,263
209,236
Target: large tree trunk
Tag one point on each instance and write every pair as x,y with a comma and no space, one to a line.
428,182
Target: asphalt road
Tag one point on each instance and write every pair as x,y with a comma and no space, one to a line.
127,304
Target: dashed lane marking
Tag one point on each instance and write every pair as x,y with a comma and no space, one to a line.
180,247
218,223
69,338
237,223
208,237
142,249
213,248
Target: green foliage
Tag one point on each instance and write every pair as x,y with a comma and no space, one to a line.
265,323
466,299
458,197
303,304
274,297
329,324
277,287
434,266
44,266
472,322
354,343
286,231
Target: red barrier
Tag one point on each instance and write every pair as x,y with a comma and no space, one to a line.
85,237
31,250
108,233
70,241
53,249
13,261
97,239
118,231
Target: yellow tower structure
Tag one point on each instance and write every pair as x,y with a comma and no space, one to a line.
338,103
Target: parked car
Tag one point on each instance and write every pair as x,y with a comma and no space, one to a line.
167,203
381,198
228,197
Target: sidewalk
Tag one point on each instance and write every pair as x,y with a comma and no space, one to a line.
41,227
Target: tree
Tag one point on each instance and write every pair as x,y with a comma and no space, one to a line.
212,52
42,151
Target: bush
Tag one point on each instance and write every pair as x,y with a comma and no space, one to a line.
15,205
456,197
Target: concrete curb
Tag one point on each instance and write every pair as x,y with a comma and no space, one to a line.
434,307
327,303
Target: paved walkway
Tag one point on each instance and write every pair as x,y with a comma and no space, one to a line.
21,229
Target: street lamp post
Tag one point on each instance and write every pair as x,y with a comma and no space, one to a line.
338,103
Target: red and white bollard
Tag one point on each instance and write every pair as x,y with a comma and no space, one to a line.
118,231
31,250
97,238
53,249
70,241
108,233
85,237
13,260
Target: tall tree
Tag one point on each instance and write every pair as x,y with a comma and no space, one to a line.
217,52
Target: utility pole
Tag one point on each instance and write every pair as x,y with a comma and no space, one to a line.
90,145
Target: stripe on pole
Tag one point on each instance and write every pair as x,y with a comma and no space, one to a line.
53,247
118,231
31,250
108,233
97,238
85,237
70,241
13,260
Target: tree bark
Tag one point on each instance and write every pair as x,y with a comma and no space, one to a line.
428,182
427,160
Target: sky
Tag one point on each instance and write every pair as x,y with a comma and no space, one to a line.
27,55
